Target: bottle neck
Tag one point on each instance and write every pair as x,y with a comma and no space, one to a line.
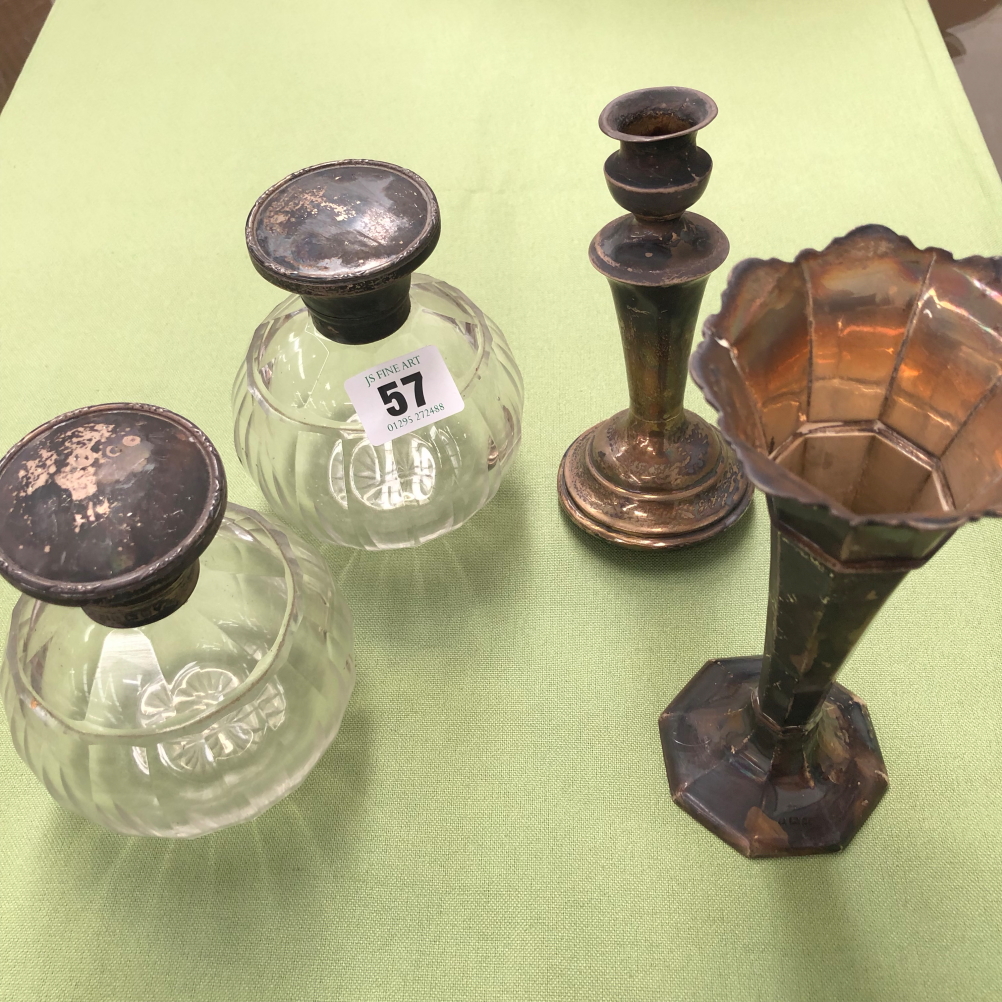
158,603
365,317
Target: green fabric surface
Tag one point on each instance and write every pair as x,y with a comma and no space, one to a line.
493,821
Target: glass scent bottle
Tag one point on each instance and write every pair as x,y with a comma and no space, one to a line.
376,408
175,664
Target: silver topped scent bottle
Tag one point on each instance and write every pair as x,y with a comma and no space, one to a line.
377,407
175,663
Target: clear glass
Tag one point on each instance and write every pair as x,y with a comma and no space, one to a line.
299,437
201,720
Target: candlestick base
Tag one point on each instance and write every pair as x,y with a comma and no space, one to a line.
766,791
642,486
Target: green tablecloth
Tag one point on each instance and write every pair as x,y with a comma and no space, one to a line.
493,821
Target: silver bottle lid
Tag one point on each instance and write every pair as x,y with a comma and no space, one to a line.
346,236
108,508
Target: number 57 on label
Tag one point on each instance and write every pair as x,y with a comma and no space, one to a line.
403,394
